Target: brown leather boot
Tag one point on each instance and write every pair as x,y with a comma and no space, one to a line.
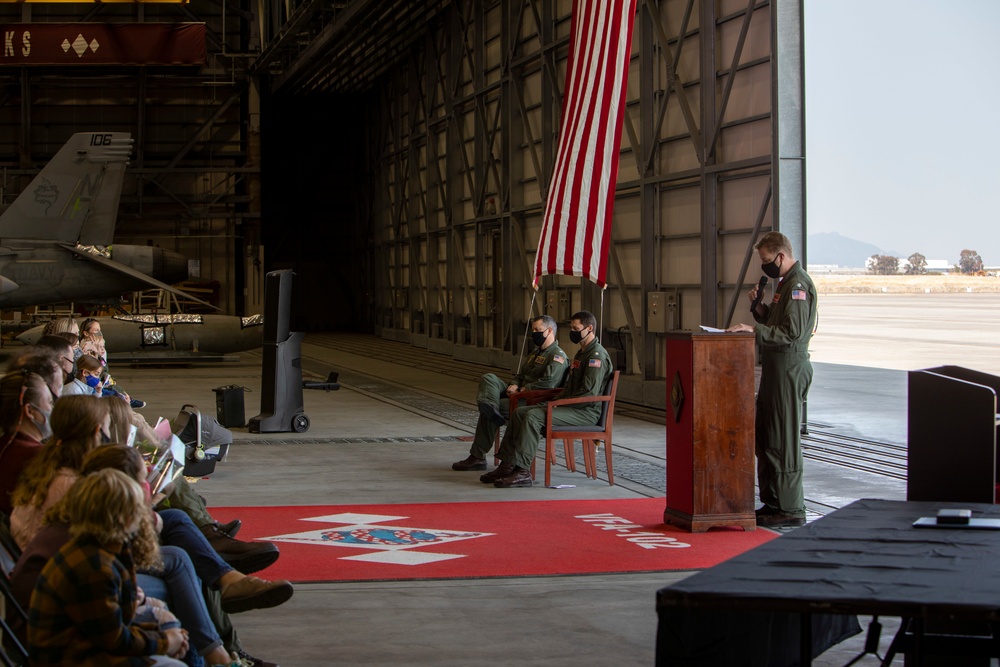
499,472
518,477
253,593
470,463
247,557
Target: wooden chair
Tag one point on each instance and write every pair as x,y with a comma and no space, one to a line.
590,435
529,397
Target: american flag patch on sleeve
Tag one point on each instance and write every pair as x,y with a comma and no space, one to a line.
798,295
559,359
594,363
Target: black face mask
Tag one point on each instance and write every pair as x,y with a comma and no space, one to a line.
576,336
771,270
538,338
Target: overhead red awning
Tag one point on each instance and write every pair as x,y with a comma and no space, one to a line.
103,44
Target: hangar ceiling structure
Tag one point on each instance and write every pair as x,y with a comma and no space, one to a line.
463,105
440,120
192,175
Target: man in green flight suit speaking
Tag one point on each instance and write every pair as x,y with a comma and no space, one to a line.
588,374
544,368
782,332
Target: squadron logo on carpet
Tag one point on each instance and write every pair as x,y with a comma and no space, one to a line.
390,544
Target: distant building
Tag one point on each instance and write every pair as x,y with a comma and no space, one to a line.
822,268
932,266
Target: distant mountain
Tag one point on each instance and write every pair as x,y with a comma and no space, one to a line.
832,248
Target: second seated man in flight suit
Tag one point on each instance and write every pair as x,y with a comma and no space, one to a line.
588,374
544,368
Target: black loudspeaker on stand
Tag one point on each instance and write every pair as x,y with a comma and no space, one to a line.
281,405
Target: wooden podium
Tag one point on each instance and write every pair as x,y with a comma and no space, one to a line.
710,430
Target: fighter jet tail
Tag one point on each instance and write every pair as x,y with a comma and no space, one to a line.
74,199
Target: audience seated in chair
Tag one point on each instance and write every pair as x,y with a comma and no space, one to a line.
84,604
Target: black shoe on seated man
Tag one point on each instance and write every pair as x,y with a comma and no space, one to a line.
765,510
519,477
492,413
247,557
501,471
469,463
780,520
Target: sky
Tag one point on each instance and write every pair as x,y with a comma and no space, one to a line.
903,124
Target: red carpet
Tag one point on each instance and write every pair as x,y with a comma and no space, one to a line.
473,540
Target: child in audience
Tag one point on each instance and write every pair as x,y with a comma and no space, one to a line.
88,379
84,603
92,343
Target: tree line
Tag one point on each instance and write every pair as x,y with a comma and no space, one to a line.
969,262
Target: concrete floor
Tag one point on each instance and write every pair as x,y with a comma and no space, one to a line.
355,452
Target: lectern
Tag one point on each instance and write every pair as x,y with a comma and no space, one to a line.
710,430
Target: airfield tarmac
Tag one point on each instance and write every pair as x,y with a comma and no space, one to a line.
909,331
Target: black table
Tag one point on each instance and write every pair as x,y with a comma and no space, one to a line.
865,558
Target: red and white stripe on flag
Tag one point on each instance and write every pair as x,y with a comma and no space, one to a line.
576,230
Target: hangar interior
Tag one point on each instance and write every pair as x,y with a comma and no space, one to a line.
396,154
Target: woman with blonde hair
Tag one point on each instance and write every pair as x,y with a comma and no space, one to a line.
60,325
84,603
79,425
92,343
238,591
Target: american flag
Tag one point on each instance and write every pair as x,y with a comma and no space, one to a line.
576,230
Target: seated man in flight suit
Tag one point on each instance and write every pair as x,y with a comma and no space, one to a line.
588,374
544,368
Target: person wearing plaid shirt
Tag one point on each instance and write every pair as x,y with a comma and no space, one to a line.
83,606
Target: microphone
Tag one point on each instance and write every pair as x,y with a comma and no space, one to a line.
760,294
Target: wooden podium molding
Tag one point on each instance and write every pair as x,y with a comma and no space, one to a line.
710,430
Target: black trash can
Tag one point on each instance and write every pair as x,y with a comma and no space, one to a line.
229,407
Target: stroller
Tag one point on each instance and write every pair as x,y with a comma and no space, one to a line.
206,442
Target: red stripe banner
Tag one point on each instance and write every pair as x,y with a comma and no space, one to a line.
576,230
103,44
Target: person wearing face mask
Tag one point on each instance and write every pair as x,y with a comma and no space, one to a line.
588,373
25,415
79,425
92,343
88,378
62,350
783,330
544,368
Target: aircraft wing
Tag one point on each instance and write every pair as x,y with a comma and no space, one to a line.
131,273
